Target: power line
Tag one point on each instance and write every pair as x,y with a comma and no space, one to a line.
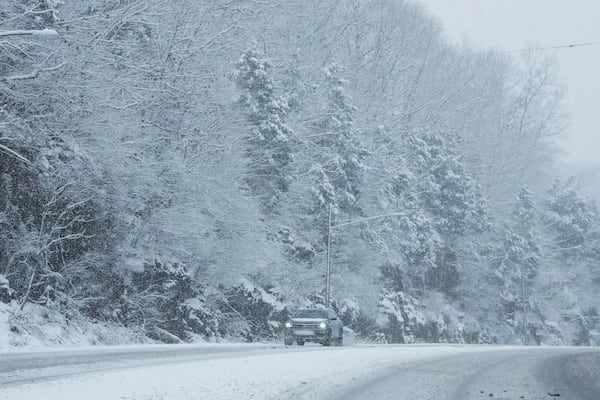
564,46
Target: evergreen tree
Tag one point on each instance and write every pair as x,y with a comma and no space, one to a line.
448,191
341,153
519,258
323,196
521,248
396,307
570,217
395,187
167,302
269,144
571,222
337,162
449,198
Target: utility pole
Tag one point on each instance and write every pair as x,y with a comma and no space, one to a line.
328,273
524,302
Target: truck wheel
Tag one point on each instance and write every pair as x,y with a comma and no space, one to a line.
327,341
287,342
300,342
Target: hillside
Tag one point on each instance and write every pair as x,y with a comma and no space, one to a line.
167,170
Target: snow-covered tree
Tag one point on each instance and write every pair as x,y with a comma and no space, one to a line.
450,198
270,140
448,191
168,304
518,258
521,251
338,139
333,155
396,307
570,216
571,255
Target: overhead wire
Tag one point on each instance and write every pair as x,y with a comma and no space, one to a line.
563,46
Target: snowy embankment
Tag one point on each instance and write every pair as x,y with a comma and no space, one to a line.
4,326
36,326
264,373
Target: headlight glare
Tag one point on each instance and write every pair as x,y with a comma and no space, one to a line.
288,324
322,325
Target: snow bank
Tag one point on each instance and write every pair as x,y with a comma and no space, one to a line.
4,326
37,327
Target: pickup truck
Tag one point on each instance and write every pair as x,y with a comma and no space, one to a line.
318,325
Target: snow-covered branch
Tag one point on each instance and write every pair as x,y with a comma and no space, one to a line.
33,74
14,154
35,33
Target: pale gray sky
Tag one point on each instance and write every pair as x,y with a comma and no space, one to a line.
515,24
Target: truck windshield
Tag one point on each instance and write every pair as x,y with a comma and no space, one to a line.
312,313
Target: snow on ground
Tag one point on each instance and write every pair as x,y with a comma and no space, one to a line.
307,373
41,327
4,326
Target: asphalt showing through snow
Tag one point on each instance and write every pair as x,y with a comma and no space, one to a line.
528,374
573,376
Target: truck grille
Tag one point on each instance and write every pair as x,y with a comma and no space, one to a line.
305,325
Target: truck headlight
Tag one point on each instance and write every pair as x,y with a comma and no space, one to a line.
323,325
288,324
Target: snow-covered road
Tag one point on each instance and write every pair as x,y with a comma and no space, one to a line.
533,374
274,372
